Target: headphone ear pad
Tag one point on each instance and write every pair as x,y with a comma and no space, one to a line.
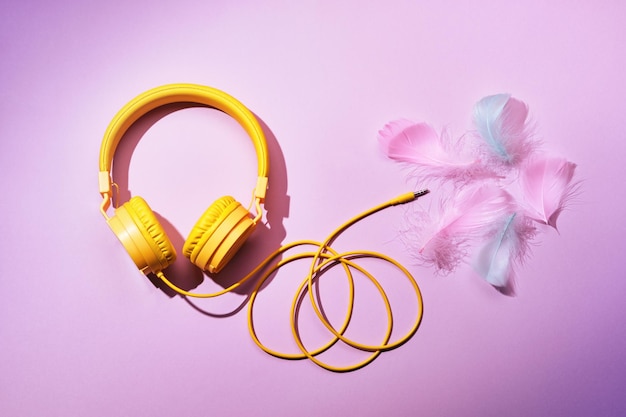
136,226
218,234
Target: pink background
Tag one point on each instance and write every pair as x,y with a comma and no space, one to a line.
83,333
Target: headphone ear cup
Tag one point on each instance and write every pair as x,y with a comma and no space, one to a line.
218,234
136,226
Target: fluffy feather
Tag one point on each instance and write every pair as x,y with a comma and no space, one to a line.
431,157
470,214
506,247
501,121
547,186
483,165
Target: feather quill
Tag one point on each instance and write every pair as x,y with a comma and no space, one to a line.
429,154
547,186
501,121
469,215
506,247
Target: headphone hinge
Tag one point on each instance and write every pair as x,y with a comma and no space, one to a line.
104,206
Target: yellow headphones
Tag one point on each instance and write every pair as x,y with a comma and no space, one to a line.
224,226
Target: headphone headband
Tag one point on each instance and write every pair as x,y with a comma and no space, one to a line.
182,93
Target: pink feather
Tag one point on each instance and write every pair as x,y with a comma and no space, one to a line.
468,215
502,122
547,187
431,156
505,248
483,166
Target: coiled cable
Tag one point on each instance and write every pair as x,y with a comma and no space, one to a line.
323,258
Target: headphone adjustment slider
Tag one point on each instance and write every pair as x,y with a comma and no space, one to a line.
104,182
261,188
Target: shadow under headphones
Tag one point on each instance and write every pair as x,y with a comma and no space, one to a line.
224,226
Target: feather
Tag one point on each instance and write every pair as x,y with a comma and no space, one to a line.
469,215
547,186
506,247
429,154
502,122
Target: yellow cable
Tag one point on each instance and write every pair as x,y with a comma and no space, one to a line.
323,258
264,278
343,259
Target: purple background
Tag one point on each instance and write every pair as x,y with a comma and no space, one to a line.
83,333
